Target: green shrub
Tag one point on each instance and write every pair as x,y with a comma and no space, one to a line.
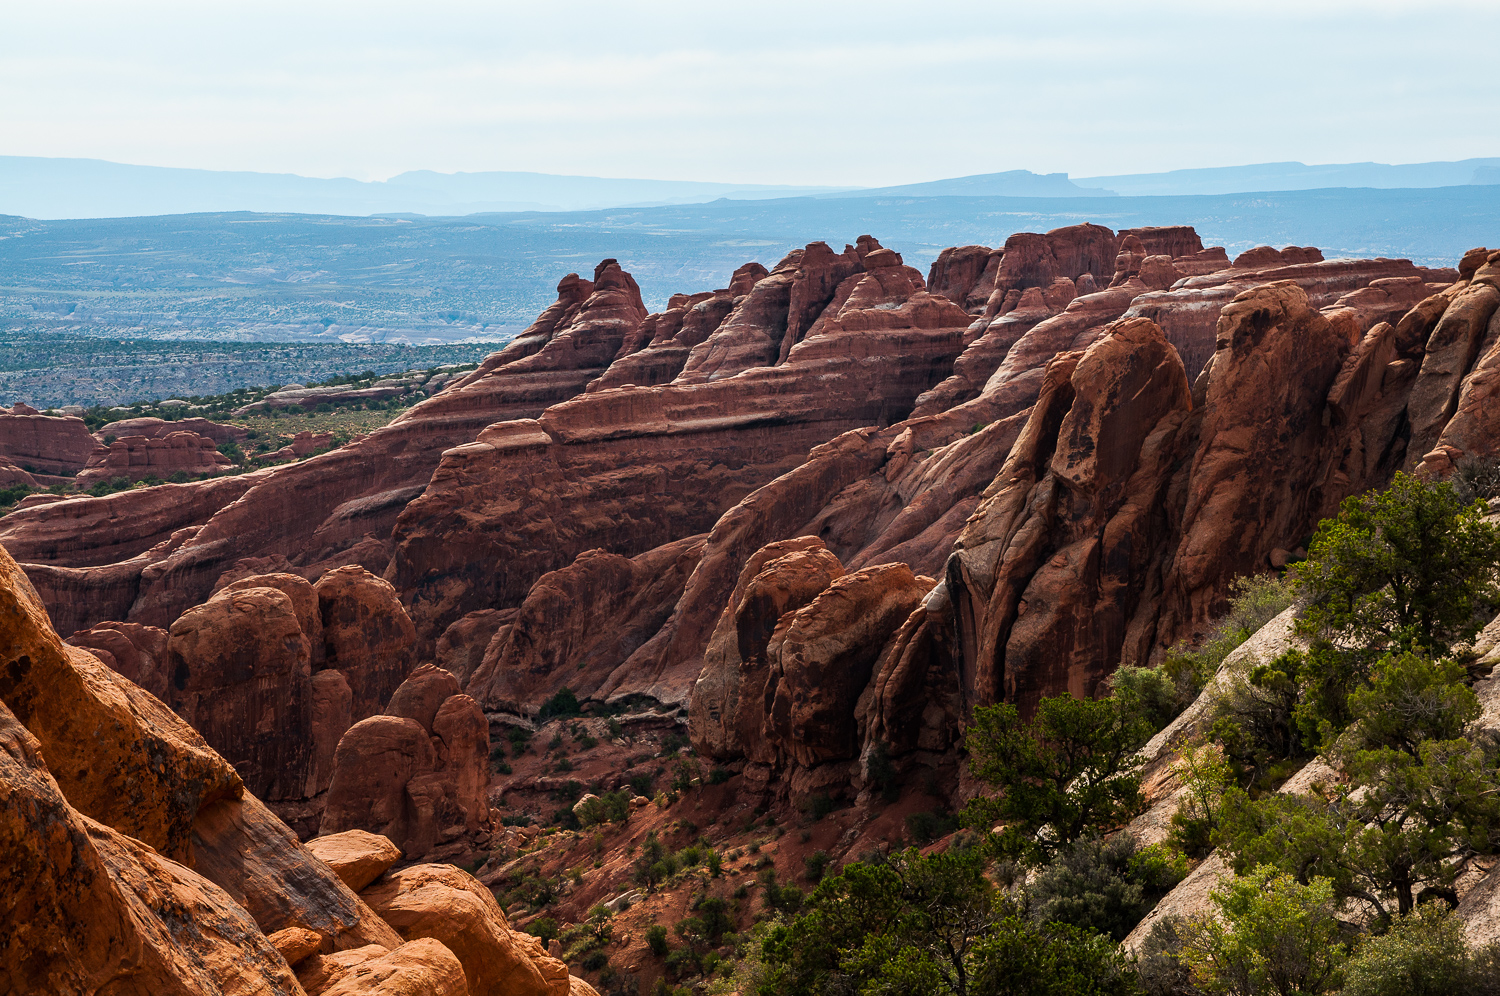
683,962
926,827
814,865
1066,773
719,775
1272,935
1477,479
561,705
818,806
1104,887
520,739
1423,954
779,898
611,807
656,940
544,927
713,918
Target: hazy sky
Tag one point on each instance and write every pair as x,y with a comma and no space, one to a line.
804,92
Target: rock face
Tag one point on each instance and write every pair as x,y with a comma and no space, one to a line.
156,428
132,860
638,468
240,671
135,457
89,909
131,650
417,774
45,444
577,626
790,659
269,685
461,648
1065,530
367,635
1067,431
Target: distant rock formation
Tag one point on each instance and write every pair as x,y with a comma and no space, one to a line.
1051,430
38,449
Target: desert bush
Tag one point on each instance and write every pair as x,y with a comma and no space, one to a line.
656,940
1104,887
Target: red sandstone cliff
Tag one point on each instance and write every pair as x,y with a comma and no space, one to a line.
581,509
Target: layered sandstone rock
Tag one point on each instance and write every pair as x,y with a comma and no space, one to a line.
1263,256
367,635
123,759
1460,338
635,469
131,650
156,428
1072,520
90,910
136,457
659,348
160,551
578,625
461,649
841,396
240,672
791,657
46,444
417,774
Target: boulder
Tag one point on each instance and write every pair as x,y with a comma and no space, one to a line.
451,906
304,603
356,856
420,968
422,694
296,944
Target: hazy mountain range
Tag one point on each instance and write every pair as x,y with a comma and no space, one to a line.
45,188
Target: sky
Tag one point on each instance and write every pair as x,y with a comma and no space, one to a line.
836,93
